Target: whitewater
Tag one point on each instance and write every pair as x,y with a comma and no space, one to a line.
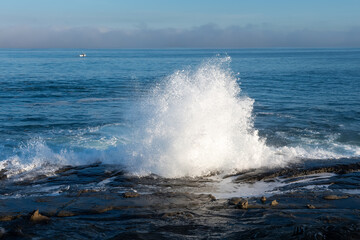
178,144
196,121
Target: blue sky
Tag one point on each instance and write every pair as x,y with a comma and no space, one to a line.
173,23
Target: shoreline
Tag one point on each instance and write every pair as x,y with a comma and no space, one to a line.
88,213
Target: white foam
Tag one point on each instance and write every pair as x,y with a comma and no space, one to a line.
226,188
197,122
193,123
33,155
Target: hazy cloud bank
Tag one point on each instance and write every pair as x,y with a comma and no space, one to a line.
206,36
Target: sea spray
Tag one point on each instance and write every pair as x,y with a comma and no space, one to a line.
196,122
34,155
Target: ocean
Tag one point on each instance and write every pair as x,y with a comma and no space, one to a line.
172,125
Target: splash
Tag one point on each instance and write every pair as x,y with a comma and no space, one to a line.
193,123
34,156
197,122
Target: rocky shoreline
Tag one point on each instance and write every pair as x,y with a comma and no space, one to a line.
95,214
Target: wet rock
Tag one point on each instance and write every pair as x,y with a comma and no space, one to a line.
295,172
298,230
2,232
334,197
15,232
85,191
105,209
234,201
263,199
212,197
274,203
243,204
64,169
178,215
64,213
41,200
37,217
3,176
310,206
130,194
6,218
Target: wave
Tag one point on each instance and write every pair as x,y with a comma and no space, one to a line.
193,123
197,122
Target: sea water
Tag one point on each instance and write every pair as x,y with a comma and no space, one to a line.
177,113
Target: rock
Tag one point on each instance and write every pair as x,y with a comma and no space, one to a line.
3,176
298,230
37,217
310,206
64,213
234,200
274,203
212,197
15,232
334,197
2,232
41,200
243,204
105,209
130,194
183,215
263,199
6,218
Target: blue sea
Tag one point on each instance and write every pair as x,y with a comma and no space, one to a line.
57,108
174,114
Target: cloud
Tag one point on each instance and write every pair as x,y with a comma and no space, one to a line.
205,36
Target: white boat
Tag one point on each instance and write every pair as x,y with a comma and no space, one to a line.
82,55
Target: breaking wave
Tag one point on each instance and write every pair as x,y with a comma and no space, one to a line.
193,123
198,122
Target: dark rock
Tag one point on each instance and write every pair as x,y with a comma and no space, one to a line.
41,200
212,197
274,203
130,194
234,201
37,217
263,199
15,232
64,213
178,215
2,232
291,172
298,230
3,176
7,218
334,197
243,204
84,191
105,209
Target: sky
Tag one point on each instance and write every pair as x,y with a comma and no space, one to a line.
179,24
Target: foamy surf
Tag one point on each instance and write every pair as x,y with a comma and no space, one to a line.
195,122
71,149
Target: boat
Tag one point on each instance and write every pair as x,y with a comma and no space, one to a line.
82,55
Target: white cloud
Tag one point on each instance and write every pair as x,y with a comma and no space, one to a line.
205,36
